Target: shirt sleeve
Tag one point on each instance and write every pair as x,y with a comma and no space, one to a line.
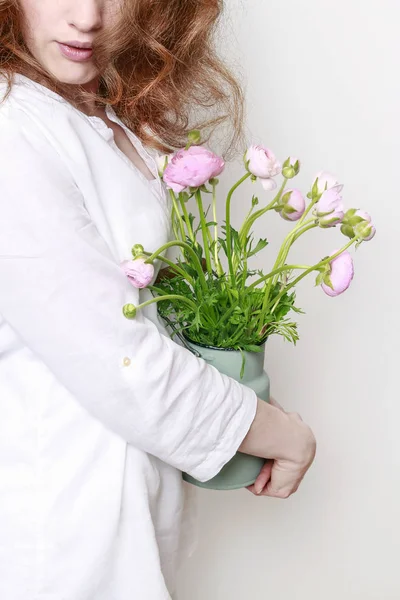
62,292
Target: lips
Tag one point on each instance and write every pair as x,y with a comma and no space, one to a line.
74,53
79,47
76,44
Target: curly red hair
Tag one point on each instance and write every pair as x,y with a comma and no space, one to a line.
158,66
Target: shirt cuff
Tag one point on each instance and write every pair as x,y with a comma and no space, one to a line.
229,443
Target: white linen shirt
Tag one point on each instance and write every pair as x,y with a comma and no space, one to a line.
100,414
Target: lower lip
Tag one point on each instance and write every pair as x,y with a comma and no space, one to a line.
77,54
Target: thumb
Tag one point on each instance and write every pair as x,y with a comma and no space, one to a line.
262,479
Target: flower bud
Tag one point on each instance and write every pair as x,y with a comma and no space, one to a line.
364,231
358,223
129,311
268,184
261,162
194,136
322,182
329,208
354,216
294,205
339,274
137,250
347,230
291,167
139,272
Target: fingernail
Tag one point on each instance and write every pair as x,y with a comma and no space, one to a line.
258,489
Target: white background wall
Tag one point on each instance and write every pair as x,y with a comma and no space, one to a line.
322,84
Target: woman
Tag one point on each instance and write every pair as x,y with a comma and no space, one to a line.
100,414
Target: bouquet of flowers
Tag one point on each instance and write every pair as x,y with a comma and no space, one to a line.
214,309
219,306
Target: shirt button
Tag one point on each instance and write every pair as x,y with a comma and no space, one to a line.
127,361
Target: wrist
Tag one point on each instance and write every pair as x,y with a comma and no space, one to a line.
267,436
279,435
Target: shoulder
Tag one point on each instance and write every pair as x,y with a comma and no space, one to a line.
25,144
35,112
26,157
17,124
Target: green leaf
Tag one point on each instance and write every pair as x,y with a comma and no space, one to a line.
253,348
262,243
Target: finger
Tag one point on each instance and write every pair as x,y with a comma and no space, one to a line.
274,491
262,479
281,493
283,481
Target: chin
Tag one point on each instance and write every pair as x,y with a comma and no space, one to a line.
76,74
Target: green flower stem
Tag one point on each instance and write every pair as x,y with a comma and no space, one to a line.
168,297
244,274
217,262
186,217
178,215
311,224
176,268
294,231
316,267
204,230
282,254
207,319
249,221
227,314
247,217
275,272
174,226
290,239
218,266
228,224
196,261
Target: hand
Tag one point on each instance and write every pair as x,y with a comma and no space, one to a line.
281,477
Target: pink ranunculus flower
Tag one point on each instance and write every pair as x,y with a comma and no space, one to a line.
371,234
366,230
341,274
294,205
139,272
192,168
329,209
326,181
268,184
358,223
262,162
364,215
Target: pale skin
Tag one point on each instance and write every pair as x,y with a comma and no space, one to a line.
52,21
282,438
286,442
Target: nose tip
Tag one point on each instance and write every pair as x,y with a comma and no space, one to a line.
85,27
88,17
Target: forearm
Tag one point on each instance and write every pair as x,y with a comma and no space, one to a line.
275,434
